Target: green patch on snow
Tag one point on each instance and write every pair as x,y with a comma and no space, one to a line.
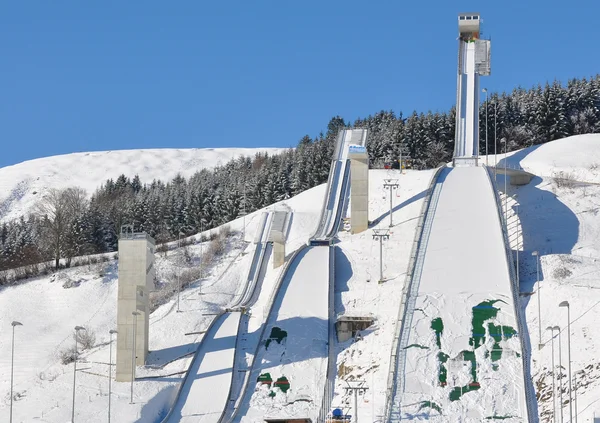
423,347
265,379
494,417
459,391
443,372
431,405
481,313
277,334
438,326
481,327
282,383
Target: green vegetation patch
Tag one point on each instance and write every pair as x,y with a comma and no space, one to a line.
282,383
459,391
265,379
423,347
438,326
430,405
482,312
494,417
443,372
277,334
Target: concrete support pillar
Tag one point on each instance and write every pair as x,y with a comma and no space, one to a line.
136,279
278,250
279,226
359,190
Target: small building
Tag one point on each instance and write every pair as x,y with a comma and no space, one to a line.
468,25
348,327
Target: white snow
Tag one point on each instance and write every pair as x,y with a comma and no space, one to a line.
204,395
301,357
465,265
23,184
559,220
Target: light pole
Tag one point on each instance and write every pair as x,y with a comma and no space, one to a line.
77,329
135,315
551,329
566,304
12,366
243,214
575,395
495,137
560,375
201,252
505,181
180,234
381,234
111,333
537,281
391,184
518,248
486,125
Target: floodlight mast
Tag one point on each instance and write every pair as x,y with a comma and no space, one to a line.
381,234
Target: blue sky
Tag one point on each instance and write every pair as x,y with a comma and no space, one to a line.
83,75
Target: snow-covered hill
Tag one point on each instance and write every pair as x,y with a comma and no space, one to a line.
558,219
23,184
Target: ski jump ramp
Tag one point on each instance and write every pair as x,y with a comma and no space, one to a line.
459,356
293,354
296,352
204,393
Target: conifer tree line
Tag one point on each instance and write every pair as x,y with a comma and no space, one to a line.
67,224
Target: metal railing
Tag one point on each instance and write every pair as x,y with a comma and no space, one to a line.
530,397
331,362
402,312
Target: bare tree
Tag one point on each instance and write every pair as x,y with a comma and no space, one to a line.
58,209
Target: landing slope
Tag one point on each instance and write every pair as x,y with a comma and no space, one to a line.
463,357
293,361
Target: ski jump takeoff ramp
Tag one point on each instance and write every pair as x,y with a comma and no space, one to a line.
460,357
292,376
204,392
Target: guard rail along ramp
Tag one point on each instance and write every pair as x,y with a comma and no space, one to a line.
410,271
208,368
338,183
459,354
530,396
409,294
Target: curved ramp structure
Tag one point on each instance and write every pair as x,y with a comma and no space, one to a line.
261,255
204,393
338,183
303,360
459,354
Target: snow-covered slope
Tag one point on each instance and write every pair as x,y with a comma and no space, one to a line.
558,220
576,157
23,184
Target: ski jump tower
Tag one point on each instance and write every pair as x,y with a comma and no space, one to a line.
136,279
473,62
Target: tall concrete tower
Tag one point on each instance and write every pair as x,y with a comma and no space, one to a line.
473,61
136,279
359,181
